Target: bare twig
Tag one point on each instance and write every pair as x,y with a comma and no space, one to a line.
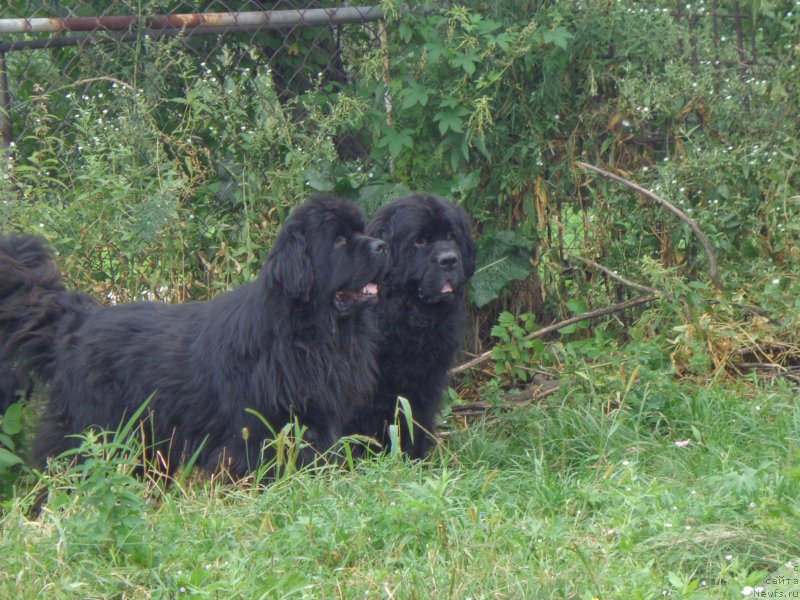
528,396
766,366
617,277
592,314
770,347
712,258
471,409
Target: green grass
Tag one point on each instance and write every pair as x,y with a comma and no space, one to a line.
560,500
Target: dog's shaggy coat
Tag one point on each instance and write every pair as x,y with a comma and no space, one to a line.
10,384
299,342
422,314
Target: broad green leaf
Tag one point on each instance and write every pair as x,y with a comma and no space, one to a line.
451,120
577,306
396,141
414,94
12,420
318,181
465,61
503,257
8,459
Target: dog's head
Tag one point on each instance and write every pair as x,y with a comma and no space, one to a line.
323,256
430,245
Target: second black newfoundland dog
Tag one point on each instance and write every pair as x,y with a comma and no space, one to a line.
296,343
422,314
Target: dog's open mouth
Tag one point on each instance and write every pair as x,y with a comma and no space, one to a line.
346,300
445,294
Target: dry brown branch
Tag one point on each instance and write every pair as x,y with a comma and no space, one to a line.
712,257
592,314
471,409
763,366
531,395
481,407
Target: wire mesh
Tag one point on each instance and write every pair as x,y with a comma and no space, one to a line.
91,46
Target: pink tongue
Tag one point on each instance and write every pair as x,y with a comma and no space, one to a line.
447,288
371,289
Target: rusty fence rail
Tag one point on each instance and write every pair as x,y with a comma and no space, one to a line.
198,22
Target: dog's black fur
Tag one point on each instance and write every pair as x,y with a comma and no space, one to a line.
11,385
299,342
422,313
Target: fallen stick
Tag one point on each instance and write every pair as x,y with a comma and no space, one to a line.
592,314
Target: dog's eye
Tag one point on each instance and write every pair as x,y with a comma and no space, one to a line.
450,236
420,242
340,241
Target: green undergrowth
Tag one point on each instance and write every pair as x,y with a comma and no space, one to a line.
572,498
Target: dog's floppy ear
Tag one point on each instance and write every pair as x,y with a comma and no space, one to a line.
288,265
381,226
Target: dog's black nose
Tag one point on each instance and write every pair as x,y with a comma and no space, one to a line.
447,260
377,247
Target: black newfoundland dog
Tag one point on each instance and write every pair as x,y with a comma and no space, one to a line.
422,314
299,342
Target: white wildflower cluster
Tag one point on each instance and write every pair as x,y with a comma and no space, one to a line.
7,166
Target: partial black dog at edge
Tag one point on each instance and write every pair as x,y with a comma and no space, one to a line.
422,314
299,342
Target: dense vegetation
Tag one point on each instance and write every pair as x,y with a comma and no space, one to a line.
666,463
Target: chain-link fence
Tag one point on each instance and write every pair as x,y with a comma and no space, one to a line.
65,48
